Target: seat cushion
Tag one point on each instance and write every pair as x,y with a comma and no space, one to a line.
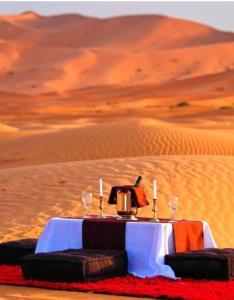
210,263
75,265
11,252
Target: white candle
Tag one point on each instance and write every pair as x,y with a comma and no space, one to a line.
125,202
100,187
155,189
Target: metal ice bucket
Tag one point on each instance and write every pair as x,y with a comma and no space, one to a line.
124,205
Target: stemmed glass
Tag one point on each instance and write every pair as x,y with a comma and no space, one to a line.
86,198
172,204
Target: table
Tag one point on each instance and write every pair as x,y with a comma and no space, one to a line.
146,249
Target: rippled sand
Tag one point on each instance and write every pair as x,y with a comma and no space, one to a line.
31,195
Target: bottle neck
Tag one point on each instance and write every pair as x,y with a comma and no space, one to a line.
138,181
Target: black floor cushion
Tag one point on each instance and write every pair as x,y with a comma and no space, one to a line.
75,265
210,263
11,252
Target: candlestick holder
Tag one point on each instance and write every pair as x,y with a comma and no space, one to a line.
101,215
154,210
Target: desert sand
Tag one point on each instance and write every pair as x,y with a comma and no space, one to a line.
127,138
22,293
203,183
81,98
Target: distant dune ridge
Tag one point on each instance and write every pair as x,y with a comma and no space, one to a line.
87,65
83,98
76,51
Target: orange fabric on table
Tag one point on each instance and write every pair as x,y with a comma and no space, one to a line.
188,235
140,195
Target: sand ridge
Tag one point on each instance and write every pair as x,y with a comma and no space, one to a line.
125,138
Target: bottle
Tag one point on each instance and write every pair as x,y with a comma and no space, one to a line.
138,181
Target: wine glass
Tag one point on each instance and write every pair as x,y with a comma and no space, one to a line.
172,204
86,199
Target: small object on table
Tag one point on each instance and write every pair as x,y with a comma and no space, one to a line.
125,210
86,198
128,199
101,187
101,215
138,181
154,210
155,189
172,204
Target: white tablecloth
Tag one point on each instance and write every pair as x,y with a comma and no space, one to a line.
146,249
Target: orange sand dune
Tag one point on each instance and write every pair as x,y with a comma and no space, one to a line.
209,100
133,137
76,51
8,133
138,30
7,129
69,68
151,66
31,195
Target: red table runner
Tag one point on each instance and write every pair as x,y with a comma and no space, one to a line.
109,233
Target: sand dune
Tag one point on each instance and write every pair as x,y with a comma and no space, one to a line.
89,51
203,183
205,96
7,129
71,68
133,137
144,67
139,30
8,133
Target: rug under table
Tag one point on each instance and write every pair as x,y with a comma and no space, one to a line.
129,285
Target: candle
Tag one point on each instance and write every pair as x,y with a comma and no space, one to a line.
155,189
100,187
125,202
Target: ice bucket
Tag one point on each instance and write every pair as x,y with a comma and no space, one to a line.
124,205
